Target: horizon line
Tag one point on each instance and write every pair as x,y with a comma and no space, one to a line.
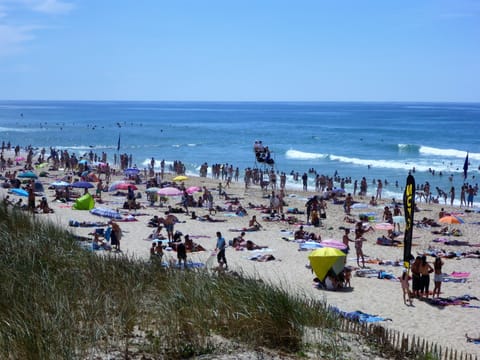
252,101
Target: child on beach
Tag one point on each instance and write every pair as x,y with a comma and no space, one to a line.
405,283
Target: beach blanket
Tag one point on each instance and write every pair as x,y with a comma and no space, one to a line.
452,300
309,245
451,242
459,274
359,316
386,275
367,273
384,241
127,218
106,212
455,280
244,229
473,340
262,258
76,223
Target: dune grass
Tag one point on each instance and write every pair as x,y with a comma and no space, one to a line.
60,301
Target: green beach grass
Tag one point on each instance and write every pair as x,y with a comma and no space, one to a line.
61,301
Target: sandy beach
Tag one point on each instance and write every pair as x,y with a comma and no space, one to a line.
290,269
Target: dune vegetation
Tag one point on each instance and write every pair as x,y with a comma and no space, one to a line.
61,301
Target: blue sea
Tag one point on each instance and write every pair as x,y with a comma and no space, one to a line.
376,140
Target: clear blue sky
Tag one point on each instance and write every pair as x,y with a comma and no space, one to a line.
378,50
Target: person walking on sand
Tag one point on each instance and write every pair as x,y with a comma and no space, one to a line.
220,248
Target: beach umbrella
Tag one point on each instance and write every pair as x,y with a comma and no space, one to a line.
122,186
131,171
170,191
384,226
114,184
450,219
193,189
83,161
60,183
82,185
19,192
27,175
152,189
324,259
333,244
19,158
180,178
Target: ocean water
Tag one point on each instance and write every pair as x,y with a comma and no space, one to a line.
376,140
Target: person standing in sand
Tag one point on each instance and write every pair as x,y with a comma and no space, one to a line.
404,282
438,276
346,240
359,239
182,253
379,190
452,195
116,235
169,223
416,285
425,270
220,248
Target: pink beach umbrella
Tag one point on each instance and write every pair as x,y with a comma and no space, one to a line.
193,189
123,186
170,191
333,244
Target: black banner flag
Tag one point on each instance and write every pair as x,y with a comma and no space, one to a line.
409,209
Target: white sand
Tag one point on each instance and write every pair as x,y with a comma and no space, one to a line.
446,326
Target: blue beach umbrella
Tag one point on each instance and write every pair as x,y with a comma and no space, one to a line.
27,175
60,184
19,192
82,185
131,171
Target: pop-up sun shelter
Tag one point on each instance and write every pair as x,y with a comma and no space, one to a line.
325,259
86,202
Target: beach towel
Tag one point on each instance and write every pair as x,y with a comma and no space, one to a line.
386,275
452,300
455,280
244,229
309,245
367,273
76,223
360,316
458,274
106,212
262,258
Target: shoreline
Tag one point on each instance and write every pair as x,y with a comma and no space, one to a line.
289,270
